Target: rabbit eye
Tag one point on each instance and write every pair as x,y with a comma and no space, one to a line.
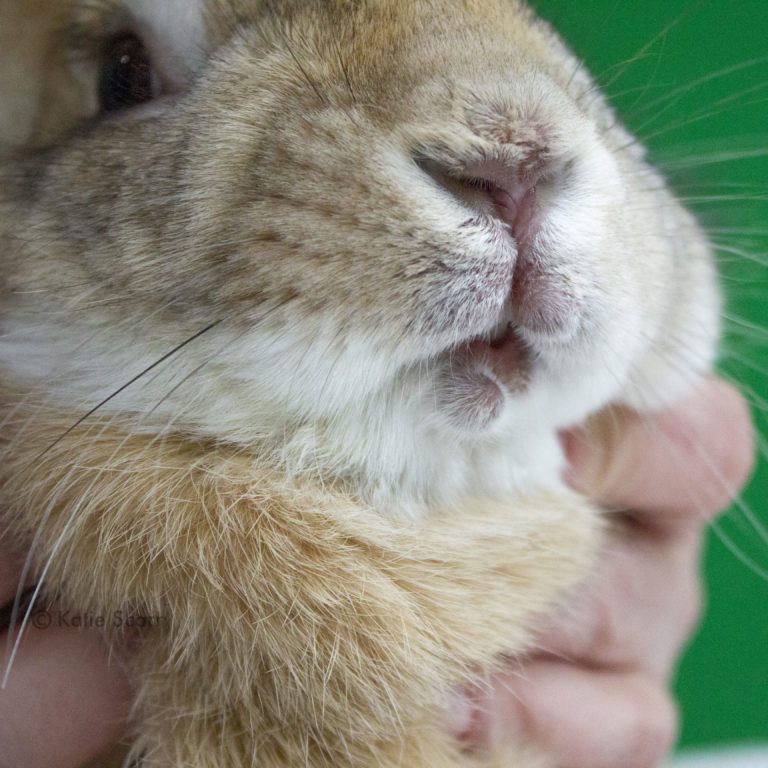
126,78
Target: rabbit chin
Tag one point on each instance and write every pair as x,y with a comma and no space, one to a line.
342,415
480,419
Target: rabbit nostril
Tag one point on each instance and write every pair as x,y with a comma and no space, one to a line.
516,206
470,191
493,188
542,299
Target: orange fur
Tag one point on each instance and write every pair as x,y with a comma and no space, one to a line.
297,624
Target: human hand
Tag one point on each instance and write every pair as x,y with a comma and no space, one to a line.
597,697
63,703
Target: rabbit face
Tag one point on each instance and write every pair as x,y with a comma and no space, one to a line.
394,243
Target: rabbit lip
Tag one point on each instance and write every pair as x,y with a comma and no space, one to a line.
477,375
505,356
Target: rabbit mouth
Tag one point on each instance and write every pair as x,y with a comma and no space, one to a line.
479,375
510,201
506,355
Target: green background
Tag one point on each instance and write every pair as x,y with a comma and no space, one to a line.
687,78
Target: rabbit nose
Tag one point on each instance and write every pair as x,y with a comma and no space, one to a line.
543,299
515,204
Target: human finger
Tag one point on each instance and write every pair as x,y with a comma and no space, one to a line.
64,700
11,565
576,716
677,467
637,610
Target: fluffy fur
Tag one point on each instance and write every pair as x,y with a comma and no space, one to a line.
282,298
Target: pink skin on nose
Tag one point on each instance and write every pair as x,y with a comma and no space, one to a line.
472,394
516,206
541,298
541,301
507,358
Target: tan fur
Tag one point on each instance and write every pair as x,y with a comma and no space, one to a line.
329,552
40,98
295,623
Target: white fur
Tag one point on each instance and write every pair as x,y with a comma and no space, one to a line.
176,30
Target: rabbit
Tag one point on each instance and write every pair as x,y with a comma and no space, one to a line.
296,297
